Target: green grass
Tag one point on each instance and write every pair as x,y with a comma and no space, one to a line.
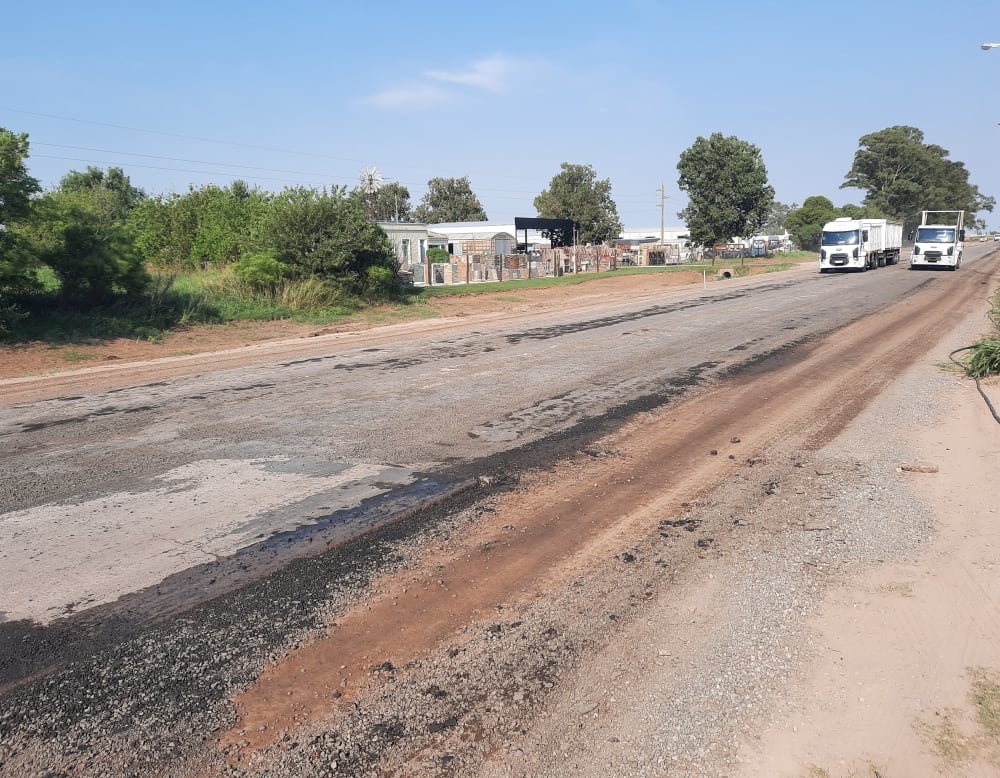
984,358
218,297
958,739
78,356
985,698
172,301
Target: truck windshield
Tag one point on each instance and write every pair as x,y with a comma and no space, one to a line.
846,238
935,235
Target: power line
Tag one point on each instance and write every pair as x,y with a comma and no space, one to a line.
162,167
493,194
624,198
177,135
177,159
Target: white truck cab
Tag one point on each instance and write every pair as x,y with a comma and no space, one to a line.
939,240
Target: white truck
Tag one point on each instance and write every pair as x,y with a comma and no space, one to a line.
859,244
939,240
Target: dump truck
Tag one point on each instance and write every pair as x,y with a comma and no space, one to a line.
859,244
939,240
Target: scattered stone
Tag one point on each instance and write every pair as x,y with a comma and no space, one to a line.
919,467
585,707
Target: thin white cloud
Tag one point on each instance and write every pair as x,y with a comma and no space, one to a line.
492,74
409,96
495,74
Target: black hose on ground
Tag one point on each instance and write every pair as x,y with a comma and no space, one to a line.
989,405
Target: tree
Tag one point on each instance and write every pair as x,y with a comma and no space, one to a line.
391,202
806,223
164,229
775,224
123,197
902,176
16,191
324,234
208,224
576,193
93,256
858,211
449,200
726,183
226,218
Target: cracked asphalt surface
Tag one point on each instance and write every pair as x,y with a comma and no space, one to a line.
245,561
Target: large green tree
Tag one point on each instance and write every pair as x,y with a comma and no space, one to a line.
449,200
902,175
726,183
806,223
16,191
576,193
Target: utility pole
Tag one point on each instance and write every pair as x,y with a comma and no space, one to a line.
663,208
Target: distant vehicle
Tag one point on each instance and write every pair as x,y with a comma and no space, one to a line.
859,244
939,240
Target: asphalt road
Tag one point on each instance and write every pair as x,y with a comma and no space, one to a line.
112,492
203,557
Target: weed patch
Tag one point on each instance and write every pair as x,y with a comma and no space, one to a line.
955,739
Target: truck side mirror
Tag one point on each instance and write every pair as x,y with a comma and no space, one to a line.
864,235
961,235
909,235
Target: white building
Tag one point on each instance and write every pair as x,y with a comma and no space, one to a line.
652,235
410,242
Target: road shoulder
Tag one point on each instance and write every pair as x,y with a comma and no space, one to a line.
906,660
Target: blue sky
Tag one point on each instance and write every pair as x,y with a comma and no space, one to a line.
309,93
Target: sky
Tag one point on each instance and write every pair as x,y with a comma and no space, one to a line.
302,93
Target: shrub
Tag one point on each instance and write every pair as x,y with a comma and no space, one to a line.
10,316
380,283
438,254
261,270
